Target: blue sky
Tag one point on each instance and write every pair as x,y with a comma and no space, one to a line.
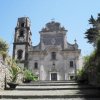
72,14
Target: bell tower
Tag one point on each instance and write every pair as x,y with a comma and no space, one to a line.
22,41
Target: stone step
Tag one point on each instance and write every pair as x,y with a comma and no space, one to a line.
55,87
53,82
52,91
48,84
59,81
50,94
58,99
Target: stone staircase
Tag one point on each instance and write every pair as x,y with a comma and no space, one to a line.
55,90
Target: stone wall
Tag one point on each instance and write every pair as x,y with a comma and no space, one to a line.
4,72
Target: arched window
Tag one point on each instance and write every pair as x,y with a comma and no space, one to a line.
71,64
21,34
53,55
19,54
35,65
22,24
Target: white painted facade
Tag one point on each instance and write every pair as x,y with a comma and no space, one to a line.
54,58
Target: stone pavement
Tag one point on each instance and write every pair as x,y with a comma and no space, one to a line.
59,99
60,90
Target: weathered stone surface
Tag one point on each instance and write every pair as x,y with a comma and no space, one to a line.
4,73
52,90
19,78
52,40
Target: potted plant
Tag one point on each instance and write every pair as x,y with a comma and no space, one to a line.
28,76
14,70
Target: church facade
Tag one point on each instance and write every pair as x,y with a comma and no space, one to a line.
53,58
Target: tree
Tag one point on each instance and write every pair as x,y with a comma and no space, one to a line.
14,70
92,62
3,48
93,32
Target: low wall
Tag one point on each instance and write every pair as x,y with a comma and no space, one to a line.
3,72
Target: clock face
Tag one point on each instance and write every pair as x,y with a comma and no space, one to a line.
53,41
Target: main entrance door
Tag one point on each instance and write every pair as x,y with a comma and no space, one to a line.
53,76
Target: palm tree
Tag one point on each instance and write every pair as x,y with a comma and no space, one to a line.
14,70
3,48
93,33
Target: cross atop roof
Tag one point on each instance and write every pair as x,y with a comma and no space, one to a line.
53,19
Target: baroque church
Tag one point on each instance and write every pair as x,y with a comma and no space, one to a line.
54,58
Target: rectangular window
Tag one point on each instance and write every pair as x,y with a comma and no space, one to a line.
71,64
21,33
53,55
35,65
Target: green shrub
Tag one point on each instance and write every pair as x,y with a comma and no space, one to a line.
3,49
28,75
82,76
14,70
3,46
